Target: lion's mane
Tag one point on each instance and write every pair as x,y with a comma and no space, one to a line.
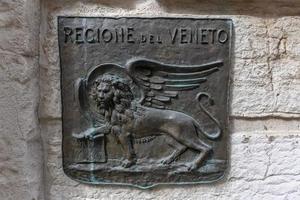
122,98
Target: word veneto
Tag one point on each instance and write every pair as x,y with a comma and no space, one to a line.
79,35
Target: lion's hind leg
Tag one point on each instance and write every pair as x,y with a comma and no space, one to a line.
179,149
203,149
188,137
186,134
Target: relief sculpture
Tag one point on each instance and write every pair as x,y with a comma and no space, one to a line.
132,117
144,100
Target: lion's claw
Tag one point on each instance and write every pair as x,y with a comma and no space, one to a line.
128,163
192,166
166,161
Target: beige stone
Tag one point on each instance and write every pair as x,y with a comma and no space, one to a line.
264,99
21,156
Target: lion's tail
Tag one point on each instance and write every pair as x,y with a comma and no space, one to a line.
213,135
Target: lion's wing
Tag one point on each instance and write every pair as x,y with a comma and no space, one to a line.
161,83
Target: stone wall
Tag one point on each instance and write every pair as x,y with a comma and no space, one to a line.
264,100
21,156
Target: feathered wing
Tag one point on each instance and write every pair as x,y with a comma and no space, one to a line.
162,82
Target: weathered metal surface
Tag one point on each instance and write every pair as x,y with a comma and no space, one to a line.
144,99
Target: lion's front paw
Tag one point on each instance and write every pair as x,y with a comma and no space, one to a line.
167,161
128,163
192,166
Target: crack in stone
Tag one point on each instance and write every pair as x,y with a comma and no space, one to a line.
268,153
270,68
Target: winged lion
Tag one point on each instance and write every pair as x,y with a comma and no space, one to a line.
133,102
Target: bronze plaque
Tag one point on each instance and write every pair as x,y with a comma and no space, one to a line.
145,100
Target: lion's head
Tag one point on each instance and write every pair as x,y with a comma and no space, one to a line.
111,92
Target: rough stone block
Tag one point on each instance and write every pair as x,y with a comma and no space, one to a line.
263,165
